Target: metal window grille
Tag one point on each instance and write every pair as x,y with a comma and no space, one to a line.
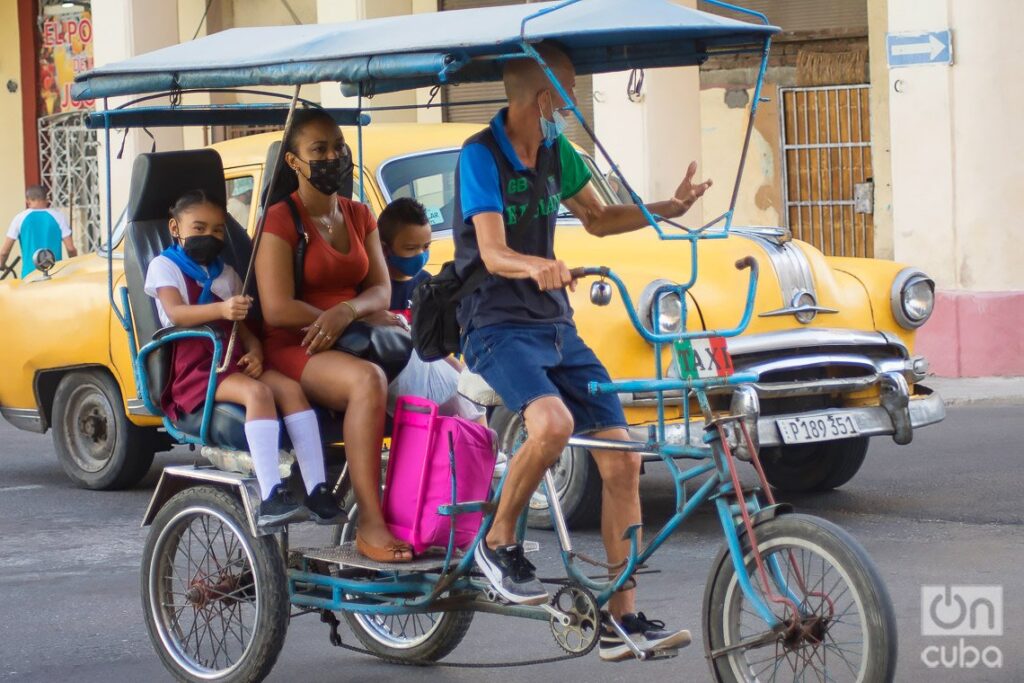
69,168
826,156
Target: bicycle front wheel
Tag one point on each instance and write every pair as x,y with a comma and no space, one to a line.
846,628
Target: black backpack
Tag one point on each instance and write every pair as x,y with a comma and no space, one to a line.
435,329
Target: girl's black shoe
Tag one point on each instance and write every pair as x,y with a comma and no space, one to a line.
324,507
278,508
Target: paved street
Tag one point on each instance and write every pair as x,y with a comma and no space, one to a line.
945,510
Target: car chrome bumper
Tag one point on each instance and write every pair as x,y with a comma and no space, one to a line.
919,411
898,415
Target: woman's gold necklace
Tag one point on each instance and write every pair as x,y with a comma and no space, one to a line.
326,222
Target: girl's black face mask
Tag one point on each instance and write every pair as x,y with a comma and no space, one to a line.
203,249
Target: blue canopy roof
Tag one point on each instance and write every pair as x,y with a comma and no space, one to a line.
397,53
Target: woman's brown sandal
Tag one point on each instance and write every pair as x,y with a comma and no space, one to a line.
391,553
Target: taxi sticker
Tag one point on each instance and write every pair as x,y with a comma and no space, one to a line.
703,358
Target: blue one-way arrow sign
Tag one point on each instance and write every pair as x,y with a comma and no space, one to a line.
913,49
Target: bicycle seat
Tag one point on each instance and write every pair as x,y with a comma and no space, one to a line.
476,389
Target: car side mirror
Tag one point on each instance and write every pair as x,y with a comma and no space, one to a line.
617,186
44,260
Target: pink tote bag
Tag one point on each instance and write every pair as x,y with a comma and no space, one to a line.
419,474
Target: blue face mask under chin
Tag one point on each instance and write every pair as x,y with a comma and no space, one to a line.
409,265
552,129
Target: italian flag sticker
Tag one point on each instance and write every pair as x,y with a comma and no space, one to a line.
703,358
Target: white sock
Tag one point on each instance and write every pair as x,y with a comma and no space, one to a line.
304,431
264,437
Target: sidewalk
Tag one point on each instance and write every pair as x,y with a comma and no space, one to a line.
960,391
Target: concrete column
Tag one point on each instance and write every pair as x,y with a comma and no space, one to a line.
653,139
957,201
125,28
12,180
881,165
921,125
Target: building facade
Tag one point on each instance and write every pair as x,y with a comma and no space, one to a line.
914,163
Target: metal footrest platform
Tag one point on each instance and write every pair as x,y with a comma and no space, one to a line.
346,555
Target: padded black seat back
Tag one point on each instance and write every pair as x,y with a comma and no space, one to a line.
158,180
286,180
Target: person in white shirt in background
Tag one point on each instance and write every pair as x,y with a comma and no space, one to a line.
37,227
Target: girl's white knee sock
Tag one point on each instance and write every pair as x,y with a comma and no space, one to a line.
264,437
304,431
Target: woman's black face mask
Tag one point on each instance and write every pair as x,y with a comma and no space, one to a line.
330,176
203,249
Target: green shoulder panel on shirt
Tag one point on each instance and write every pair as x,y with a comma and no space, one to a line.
575,174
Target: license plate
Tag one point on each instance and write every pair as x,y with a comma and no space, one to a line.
820,427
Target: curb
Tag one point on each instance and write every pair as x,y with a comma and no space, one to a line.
978,391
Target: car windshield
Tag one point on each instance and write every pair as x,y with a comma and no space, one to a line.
430,179
117,235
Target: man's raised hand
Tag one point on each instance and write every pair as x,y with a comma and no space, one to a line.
687,193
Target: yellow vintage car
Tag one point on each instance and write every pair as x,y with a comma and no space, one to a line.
832,338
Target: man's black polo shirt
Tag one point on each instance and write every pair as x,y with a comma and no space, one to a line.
490,178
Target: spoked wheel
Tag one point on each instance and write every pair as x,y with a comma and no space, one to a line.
215,597
404,638
846,629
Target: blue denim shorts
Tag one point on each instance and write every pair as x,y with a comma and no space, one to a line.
526,362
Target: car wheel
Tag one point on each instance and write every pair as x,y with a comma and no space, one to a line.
813,467
96,444
577,480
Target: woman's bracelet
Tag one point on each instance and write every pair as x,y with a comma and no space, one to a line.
355,313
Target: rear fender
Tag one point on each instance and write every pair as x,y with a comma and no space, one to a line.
174,480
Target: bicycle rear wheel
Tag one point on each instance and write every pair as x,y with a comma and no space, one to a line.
846,630
419,638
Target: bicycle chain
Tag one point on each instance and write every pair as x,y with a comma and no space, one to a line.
328,617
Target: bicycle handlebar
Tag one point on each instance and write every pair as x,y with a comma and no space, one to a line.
590,271
747,262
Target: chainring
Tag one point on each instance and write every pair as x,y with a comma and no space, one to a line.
579,637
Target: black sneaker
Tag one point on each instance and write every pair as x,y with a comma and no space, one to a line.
323,506
278,508
647,634
510,574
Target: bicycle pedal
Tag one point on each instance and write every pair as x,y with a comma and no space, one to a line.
652,655
531,546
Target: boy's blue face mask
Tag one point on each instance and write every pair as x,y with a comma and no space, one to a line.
409,265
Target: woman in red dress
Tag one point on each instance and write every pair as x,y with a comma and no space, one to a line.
345,278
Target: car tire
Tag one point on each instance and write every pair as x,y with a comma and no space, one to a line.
814,467
96,444
576,476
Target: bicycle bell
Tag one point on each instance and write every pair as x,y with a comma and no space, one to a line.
600,293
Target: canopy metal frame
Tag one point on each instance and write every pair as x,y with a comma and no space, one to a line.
178,114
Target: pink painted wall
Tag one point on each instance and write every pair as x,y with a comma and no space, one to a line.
975,334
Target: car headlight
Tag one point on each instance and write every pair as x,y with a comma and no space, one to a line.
670,308
913,298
